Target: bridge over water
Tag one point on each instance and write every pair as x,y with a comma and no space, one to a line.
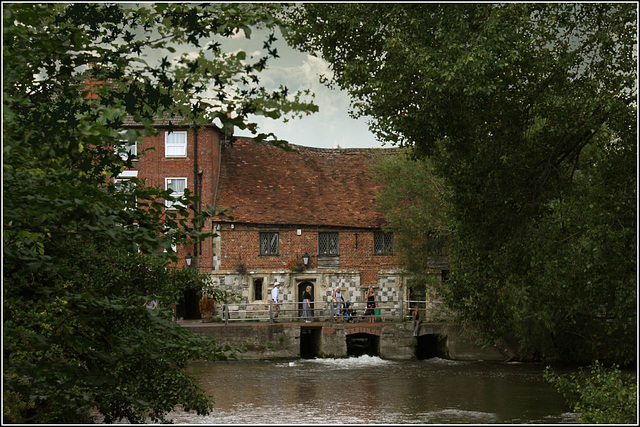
264,335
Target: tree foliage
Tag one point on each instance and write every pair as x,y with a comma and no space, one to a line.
527,113
80,259
413,199
600,396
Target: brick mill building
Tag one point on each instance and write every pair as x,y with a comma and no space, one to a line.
318,202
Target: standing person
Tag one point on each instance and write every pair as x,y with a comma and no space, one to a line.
276,299
371,304
306,304
152,305
416,321
337,298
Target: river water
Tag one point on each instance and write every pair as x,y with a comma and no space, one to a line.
370,390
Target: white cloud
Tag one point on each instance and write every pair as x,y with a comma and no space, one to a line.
331,126
239,34
189,56
328,128
314,67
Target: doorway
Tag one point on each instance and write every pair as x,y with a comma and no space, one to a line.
417,293
188,307
302,286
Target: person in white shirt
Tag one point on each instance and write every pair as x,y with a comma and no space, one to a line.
275,297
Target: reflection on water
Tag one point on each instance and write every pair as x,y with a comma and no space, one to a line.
370,390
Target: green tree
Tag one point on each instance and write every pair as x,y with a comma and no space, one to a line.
413,199
600,396
527,112
80,258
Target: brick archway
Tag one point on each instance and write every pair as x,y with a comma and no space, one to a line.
362,330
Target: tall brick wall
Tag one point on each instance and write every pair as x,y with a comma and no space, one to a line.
153,166
358,267
241,245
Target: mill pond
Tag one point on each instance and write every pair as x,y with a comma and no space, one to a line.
371,390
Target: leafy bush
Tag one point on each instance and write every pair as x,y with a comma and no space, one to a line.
602,396
81,255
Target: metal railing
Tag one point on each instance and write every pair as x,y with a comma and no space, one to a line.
430,311
323,311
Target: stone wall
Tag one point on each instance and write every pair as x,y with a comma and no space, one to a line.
278,341
334,342
239,244
390,287
261,341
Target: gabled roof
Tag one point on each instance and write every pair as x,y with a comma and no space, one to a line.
314,186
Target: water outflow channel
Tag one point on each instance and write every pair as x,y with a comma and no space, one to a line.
370,390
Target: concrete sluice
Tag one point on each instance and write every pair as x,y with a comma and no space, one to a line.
361,344
310,342
430,346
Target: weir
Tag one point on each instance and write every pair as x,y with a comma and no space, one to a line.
310,342
394,341
429,346
363,344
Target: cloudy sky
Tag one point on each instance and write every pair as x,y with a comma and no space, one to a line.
331,126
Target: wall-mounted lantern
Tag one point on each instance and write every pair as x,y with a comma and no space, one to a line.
188,259
305,259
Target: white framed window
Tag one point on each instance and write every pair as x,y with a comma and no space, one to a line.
127,149
124,184
177,186
175,144
174,246
127,174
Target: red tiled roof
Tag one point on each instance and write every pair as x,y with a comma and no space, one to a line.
314,186
165,120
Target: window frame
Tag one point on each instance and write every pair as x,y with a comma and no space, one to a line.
168,203
174,246
125,152
166,143
266,233
126,177
329,235
387,248
263,290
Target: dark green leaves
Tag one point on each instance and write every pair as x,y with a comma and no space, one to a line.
81,254
522,109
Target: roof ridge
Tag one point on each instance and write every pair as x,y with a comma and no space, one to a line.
322,149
